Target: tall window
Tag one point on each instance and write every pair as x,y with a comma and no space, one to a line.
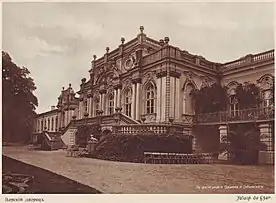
38,127
150,97
128,102
48,124
267,102
97,105
56,123
45,123
52,127
41,126
234,107
111,104
267,98
188,100
63,119
86,106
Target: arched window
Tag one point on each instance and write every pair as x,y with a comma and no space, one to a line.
150,99
127,102
188,100
96,105
111,104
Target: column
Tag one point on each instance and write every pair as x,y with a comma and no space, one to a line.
133,103
168,93
115,99
266,155
177,100
223,134
119,98
91,107
101,100
138,103
163,98
158,100
104,103
65,118
58,123
80,110
172,95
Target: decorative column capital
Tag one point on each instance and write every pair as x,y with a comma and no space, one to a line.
102,91
118,86
175,74
136,80
161,74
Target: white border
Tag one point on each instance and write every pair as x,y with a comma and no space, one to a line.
141,198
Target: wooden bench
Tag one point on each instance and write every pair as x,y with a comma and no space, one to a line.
177,158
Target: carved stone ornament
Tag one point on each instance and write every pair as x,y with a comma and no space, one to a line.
130,62
266,81
189,74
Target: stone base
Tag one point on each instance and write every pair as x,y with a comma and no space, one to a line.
266,157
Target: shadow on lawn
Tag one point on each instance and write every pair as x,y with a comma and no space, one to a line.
45,182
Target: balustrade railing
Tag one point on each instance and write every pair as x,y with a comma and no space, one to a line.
250,59
253,114
263,56
150,129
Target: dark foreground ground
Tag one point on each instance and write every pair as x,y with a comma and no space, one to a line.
45,182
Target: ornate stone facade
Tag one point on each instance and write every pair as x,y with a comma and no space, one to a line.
150,81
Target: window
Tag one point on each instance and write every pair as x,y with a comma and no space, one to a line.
56,123
188,106
52,127
97,105
267,98
86,106
267,101
37,127
234,107
63,119
128,102
48,123
41,126
45,124
111,104
150,96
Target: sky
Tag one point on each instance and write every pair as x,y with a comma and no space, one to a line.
57,41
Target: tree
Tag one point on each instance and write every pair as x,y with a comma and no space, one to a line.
210,98
19,102
248,95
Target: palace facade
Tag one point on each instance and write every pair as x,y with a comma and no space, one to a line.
145,82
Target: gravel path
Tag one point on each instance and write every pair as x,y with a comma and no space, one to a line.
117,177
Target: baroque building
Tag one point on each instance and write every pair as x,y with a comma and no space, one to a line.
148,82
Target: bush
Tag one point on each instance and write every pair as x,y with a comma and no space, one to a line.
131,148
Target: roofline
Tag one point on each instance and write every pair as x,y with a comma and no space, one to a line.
47,112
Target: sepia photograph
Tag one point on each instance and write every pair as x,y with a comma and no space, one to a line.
138,98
